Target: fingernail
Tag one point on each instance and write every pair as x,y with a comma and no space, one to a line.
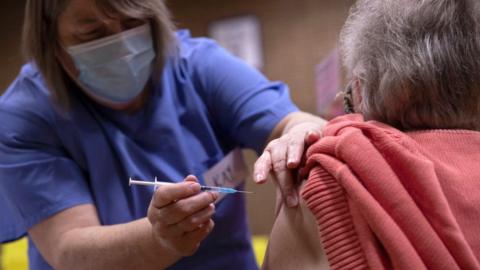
195,187
291,162
292,201
258,177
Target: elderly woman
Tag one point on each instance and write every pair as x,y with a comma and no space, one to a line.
112,91
395,186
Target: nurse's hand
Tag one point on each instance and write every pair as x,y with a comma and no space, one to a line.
283,155
181,216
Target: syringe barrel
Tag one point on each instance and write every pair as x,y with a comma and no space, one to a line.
218,189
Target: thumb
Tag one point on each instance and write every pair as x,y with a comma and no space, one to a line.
191,178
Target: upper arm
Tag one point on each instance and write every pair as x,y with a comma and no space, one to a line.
245,104
37,178
294,241
43,191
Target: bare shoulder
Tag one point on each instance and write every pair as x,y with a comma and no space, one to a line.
294,242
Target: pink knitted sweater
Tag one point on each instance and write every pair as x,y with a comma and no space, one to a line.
384,199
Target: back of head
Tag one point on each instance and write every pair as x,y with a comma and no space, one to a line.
418,61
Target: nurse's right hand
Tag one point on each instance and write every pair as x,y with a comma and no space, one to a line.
181,216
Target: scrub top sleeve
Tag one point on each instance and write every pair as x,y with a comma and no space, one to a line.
246,105
37,179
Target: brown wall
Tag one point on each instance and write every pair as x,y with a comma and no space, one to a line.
11,18
297,34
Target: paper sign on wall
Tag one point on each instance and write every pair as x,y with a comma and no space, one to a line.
241,36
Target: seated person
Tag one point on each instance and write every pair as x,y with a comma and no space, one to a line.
396,185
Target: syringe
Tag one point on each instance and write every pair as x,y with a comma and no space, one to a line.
202,188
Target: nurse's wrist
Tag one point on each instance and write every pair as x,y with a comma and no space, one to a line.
304,120
156,253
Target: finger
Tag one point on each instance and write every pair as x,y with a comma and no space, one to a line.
178,211
296,147
286,184
190,224
171,231
262,167
278,155
194,238
191,179
283,175
312,137
167,232
166,195
193,222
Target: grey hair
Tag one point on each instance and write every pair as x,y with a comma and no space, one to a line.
418,61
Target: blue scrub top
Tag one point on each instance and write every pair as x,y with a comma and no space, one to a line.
206,104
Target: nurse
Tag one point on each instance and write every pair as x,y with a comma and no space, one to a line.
110,92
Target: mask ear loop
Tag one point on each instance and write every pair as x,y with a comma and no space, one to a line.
348,100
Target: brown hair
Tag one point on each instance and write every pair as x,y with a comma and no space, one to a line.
41,37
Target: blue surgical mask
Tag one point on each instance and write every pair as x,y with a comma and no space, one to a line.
115,68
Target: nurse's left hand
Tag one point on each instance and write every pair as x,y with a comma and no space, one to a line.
282,156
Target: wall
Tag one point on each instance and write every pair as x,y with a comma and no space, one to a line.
11,19
297,34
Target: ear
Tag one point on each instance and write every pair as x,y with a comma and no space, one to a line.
357,93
